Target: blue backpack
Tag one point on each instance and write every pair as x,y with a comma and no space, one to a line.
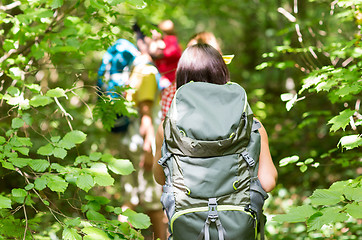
114,72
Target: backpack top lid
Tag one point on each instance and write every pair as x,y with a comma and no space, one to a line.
207,119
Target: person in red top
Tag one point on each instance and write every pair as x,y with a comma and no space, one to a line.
167,56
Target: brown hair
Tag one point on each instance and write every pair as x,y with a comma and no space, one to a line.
201,63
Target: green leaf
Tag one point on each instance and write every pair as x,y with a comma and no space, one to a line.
34,87
40,183
2,140
20,162
22,150
28,119
72,138
39,165
29,186
309,161
303,168
75,222
342,120
314,222
18,194
81,159
121,166
58,92
17,123
99,199
56,3
353,193
355,210
288,160
71,234
60,152
296,214
85,182
104,179
55,139
13,91
93,233
95,156
56,183
5,202
46,150
137,220
40,100
351,141
7,165
326,216
95,216
325,197
118,210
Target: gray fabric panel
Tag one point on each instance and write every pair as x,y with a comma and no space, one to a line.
210,177
168,202
254,147
181,145
238,225
209,111
212,122
257,197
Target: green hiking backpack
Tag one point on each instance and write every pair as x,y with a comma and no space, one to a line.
210,159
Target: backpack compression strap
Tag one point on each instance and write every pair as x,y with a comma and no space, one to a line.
212,217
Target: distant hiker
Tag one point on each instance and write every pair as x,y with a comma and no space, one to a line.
166,58
124,65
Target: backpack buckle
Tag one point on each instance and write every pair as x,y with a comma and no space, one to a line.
248,159
213,216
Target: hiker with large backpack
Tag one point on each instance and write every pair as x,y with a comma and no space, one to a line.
215,165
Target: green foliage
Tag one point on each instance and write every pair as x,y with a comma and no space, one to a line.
328,206
52,181
339,80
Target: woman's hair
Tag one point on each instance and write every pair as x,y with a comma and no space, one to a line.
205,37
201,63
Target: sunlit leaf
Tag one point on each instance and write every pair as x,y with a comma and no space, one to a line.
40,100
17,123
95,216
85,182
121,166
18,194
355,210
103,179
56,183
39,165
60,152
342,120
40,183
288,160
138,220
325,197
57,92
5,202
326,216
93,233
351,141
71,234
296,214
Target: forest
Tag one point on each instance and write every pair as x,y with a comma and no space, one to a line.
299,61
